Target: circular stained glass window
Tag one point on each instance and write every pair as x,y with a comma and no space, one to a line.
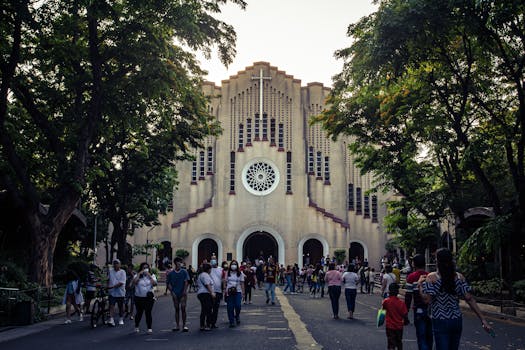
260,177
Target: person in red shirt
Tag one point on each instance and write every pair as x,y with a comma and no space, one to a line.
396,314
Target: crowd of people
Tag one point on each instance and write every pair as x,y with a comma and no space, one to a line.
433,297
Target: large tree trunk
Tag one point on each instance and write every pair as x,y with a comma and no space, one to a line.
118,238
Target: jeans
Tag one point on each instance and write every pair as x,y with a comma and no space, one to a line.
215,308
143,305
334,292
233,303
350,295
270,290
288,283
423,325
447,333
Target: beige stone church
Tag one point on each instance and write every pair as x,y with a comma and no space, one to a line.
271,184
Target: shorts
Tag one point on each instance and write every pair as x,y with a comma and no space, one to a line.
394,338
116,300
179,301
90,294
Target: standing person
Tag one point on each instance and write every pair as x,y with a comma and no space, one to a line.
362,277
260,273
72,296
205,294
177,283
249,283
321,281
91,287
396,314
117,292
269,277
333,279
169,268
372,280
217,277
288,278
295,275
422,320
235,291
388,278
350,281
442,289
144,298
129,299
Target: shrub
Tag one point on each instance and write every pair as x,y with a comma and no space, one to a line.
490,287
182,253
519,289
340,255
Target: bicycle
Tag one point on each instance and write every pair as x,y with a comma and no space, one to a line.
100,309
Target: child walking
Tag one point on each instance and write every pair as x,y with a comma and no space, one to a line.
396,314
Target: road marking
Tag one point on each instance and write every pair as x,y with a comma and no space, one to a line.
303,338
276,329
157,339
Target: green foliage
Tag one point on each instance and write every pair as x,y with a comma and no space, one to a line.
489,288
519,289
340,255
13,276
182,253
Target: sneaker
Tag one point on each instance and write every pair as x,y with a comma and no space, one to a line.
186,329
267,300
131,317
150,331
121,322
238,320
273,302
111,322
81,318
67,321
137,330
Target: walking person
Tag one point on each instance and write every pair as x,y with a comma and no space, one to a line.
396,315
334,278
372,280
422,320
72,296
91,287
235,290
205,294
144,298
129,299
177,283
117,292
249,283
270,272
442,290
350,281
217,277
388,278
288,278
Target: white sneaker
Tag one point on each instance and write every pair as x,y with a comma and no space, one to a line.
111,322
121,322
137,330
67,321
81,318
150,331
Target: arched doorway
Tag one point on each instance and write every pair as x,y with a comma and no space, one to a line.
356,251
207,247
259,244
312,251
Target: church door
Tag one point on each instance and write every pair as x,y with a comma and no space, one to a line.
356,252
207,247
312,252
260,244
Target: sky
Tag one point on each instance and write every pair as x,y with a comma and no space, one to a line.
297,36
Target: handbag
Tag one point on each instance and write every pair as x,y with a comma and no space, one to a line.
381,313
232,290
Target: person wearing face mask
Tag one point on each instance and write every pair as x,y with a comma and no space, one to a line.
235,291
216,275
177,283
144,298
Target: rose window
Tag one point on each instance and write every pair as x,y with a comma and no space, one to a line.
260,177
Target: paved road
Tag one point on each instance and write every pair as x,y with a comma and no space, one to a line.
296,322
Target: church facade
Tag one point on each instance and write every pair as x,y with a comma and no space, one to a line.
271,184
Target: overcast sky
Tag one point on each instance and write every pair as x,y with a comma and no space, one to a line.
298,36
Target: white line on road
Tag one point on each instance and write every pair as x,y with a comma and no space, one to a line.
303,338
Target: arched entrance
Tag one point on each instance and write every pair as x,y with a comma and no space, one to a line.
259,244
207,247
356,251
312,252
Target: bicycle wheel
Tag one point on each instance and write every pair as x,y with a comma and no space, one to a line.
95,314
104,312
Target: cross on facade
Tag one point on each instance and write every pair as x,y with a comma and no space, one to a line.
261,79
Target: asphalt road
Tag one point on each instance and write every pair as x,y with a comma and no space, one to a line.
295,322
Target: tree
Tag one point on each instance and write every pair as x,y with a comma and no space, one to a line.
66,66
434,89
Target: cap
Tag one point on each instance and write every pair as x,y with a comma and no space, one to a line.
116,261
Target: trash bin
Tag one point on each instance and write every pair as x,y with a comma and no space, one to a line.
24,313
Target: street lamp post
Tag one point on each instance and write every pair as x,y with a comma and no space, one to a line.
95,241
